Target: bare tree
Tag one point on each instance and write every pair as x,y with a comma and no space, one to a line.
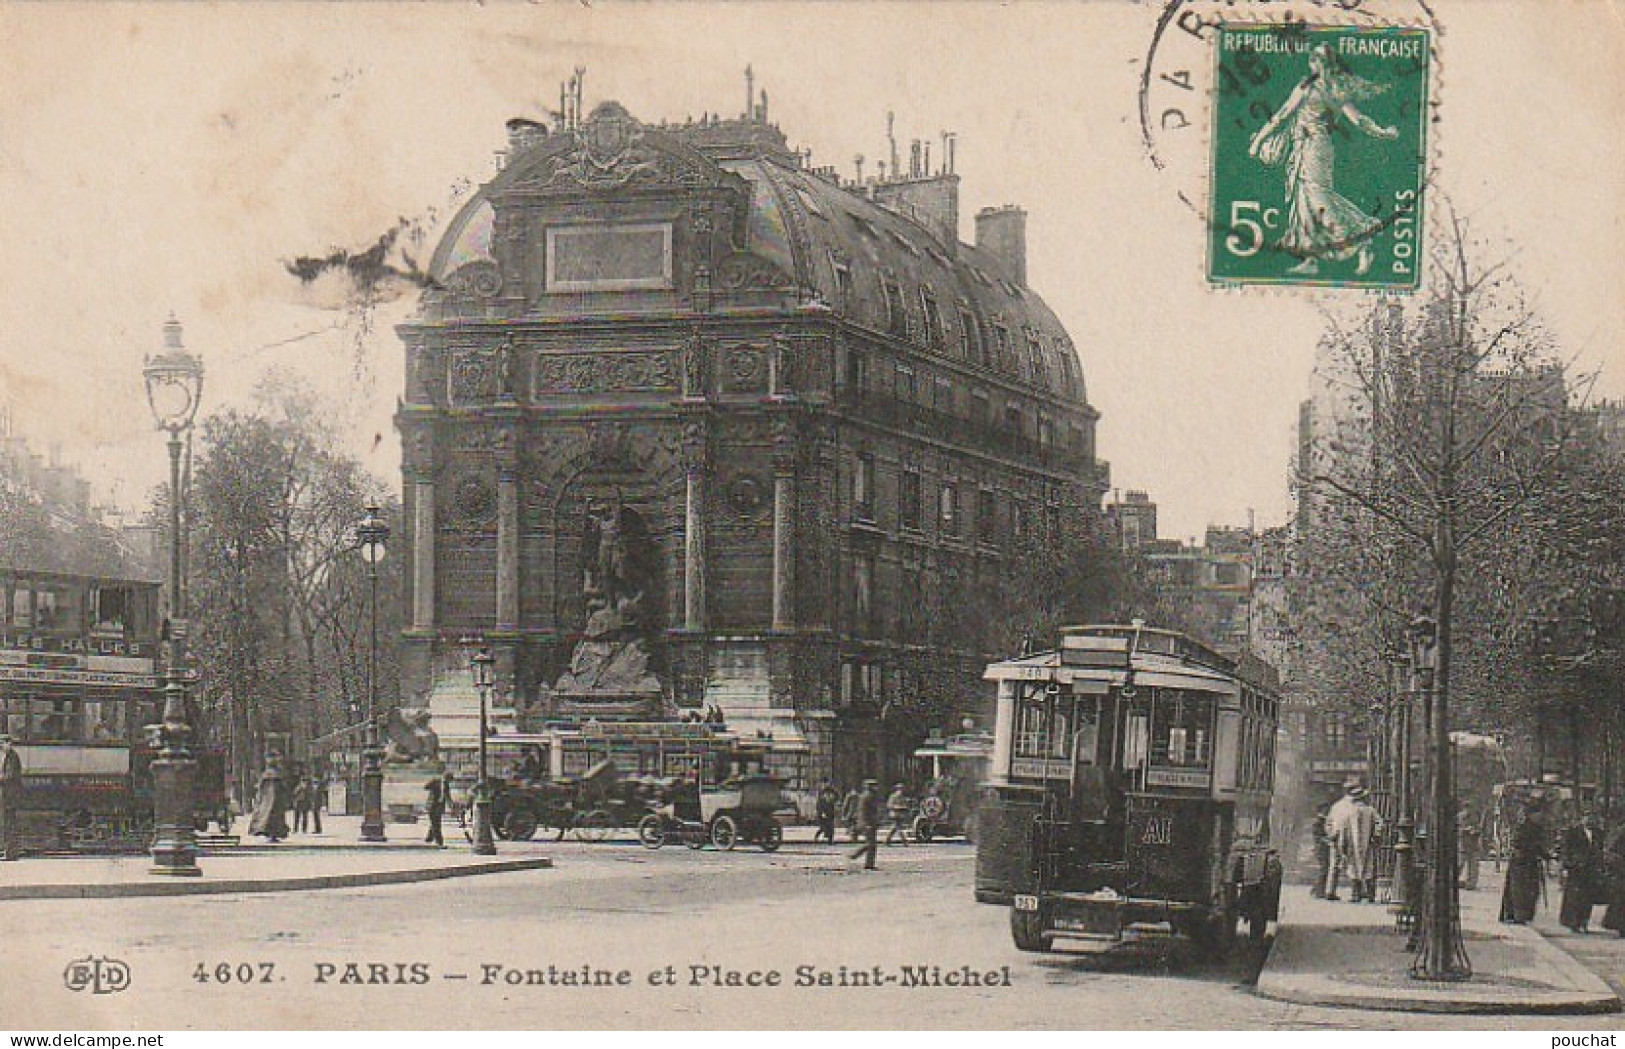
1468,414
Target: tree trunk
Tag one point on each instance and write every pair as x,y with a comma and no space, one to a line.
1442,954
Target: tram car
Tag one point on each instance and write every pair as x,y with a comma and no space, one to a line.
78,686
1129,792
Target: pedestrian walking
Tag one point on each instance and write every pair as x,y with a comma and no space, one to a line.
270,819
1469,843
898,807
1613,919
318,802
824,810
1340,846
868,824
1526,870
849,813
301,805
1323,852
1582,857
11,789
439,791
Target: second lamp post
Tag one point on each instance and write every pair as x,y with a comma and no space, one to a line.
484,844
371,535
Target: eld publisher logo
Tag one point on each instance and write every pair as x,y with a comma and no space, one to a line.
97,975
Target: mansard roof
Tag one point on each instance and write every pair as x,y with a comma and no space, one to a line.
805,223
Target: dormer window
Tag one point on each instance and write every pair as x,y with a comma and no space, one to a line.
933,319
896,317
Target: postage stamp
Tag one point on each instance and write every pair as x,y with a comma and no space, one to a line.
1318,155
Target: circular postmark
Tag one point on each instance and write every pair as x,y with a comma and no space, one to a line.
1298,133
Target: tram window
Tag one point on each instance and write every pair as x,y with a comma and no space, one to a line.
109,609
53,721
101,721
22,607
1044,726
15,716
1180,731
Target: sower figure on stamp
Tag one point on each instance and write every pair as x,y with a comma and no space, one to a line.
868,813
11,788
1321,223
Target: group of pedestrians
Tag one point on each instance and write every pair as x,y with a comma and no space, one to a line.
1593,864
861,811
281,793
1345,842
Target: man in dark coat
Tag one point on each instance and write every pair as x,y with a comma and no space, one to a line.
1613,918
439,791
1526,870
11,788
1582,873
318,801
301,805
824,809
868,824
1323,853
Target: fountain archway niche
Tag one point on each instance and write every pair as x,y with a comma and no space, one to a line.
612,580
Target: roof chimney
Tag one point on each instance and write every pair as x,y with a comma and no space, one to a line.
1002,233
523,133
932,201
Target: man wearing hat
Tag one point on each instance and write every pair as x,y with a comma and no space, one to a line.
868,824
1352,825
11,789
898,808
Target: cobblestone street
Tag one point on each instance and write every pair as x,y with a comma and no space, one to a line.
415,955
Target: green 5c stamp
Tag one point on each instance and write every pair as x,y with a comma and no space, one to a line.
1319,149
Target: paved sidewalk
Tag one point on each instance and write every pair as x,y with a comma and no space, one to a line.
332,860
1347,954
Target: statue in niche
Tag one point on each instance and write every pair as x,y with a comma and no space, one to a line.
502,369
612,655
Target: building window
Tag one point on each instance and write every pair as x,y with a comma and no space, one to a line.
948,509
981,410
1046,432
1035,357
856,369
970,337
896,316
863,587
933,319
863,488
907,387
1001,339
843,282
987,516
909,499
1013,420
943,398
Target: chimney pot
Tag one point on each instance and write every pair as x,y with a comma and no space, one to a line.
1002,233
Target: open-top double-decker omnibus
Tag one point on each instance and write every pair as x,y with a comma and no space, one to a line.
1130,782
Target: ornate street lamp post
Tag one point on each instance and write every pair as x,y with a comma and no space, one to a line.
484,845
174,381
371,535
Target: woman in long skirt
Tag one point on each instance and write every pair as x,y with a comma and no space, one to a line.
270,819
1526,871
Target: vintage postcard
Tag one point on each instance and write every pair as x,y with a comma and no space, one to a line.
1092,515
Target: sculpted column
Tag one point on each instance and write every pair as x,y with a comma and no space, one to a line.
783,527
694,527
423,527
507,532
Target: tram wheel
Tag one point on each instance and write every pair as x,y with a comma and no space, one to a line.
1027,930
922,829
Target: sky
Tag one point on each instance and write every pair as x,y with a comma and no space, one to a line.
172,158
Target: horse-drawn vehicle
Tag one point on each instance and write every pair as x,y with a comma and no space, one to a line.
740,805
1131,777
